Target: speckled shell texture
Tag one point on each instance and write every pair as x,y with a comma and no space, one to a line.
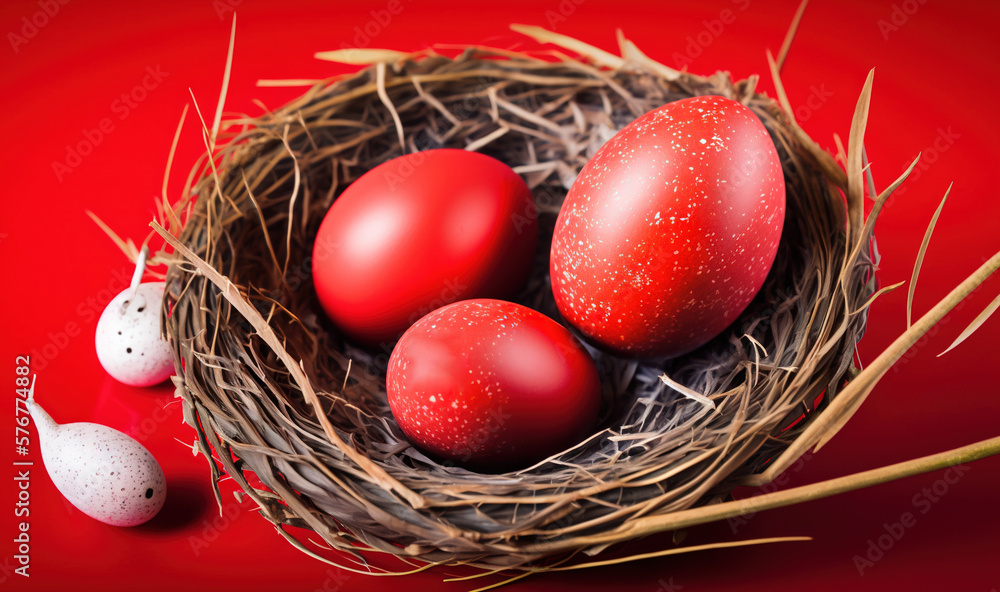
492,384
670,229
104,473
128,340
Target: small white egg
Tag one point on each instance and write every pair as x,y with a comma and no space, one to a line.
104,473
128,340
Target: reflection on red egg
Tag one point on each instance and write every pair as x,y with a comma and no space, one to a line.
418,232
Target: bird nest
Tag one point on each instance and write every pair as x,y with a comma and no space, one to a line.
299,417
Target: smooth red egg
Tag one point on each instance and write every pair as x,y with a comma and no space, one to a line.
670,229
492,385
418,232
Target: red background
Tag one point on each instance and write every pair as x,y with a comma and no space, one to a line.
936,81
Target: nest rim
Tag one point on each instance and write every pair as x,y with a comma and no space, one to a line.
225,405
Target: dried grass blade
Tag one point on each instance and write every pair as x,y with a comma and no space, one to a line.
805,493
362,56
217,121
434,102
884,290
680,388
920,256
779,87
129,250
168,210
384,96
596,55
855,168
280,83
211,154
868,173
790,35
476,145
263,224
876,256
631,53
975,324
527,115
297,185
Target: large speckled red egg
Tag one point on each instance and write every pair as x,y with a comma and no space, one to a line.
418,232
492,385
670,229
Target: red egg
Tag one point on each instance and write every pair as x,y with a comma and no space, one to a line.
418,232
670,229
492,385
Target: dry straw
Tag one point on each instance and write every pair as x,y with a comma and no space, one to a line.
299,419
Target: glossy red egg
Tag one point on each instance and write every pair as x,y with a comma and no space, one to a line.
418,232
670,229
492,385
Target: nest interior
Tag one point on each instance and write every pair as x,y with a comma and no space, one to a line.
270,386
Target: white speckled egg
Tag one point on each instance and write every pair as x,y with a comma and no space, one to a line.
128,337
104,473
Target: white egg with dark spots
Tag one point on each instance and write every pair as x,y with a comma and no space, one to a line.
128,340
104,473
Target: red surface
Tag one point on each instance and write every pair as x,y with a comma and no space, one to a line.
935,89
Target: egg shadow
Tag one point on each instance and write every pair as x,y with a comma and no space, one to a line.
188,502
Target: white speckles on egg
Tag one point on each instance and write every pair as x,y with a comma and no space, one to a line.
104,473
128,340
491,384
649,222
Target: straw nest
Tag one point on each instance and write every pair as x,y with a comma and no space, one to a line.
299,419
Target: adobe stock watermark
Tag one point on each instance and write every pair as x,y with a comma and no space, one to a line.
893,532
934,330
212,529
120,108
944,140
668,585
562,12
87,312
30,25
818,97
471,103
381,18
711,30
544,199
898,17
737,522
225,8
335,580
164,408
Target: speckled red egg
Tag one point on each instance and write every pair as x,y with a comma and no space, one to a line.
670,229
418,232
492,385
